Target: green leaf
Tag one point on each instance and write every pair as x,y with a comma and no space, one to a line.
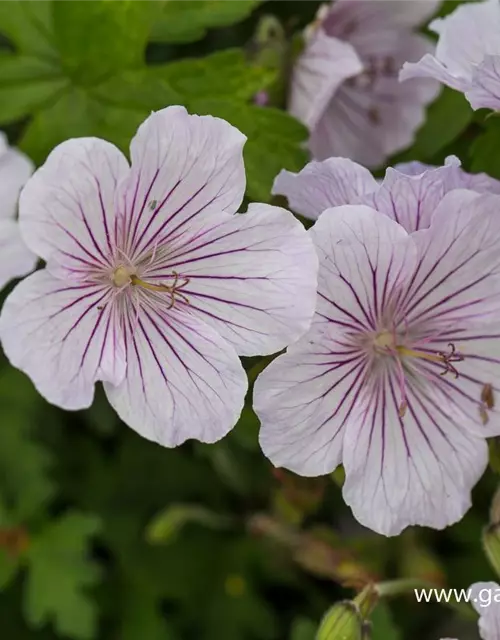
142,617
446,119
25,483
26,84
77,114
189,20
225,74
166,526
101,37
28,24
274,141
383,624
60,574
484,151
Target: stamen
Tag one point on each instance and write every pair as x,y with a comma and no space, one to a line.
445,359
487,402
172,290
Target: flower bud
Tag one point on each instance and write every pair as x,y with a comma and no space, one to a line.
343,621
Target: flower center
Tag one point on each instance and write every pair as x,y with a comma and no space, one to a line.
123,276
386,343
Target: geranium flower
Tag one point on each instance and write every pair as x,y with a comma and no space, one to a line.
467,55
345,85
153,284
406,188
398,377
16,259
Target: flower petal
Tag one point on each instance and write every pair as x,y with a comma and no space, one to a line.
304,399
252,277
466,36
411,200
321,185
15,169
64,337
183,380
182,166
363,255
67,209
374,115
319,72
485,598
458,276
459,179
478,371
17,260
485,88
419,469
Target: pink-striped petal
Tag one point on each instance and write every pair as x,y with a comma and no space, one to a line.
364,256
419,469
458,276
252,277
304,399
183,380
183,166
65,337
411,200
321,185
67,209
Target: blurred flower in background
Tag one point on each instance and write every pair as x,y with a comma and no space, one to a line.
16,259
345,86
467,55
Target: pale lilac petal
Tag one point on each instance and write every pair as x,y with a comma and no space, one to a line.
429,67
374,115
466,36
459,179
67,209
16,260
183,166
183,379
363,256
408,13
324,65
480,366
63,336
458,277
416,470
305,397
303,400
252,277
15,169
411,200
321,185
485,598
484,92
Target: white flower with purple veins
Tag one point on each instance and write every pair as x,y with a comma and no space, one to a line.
16,259
467,55
485,598
398,377
153,283
409,193
345,86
